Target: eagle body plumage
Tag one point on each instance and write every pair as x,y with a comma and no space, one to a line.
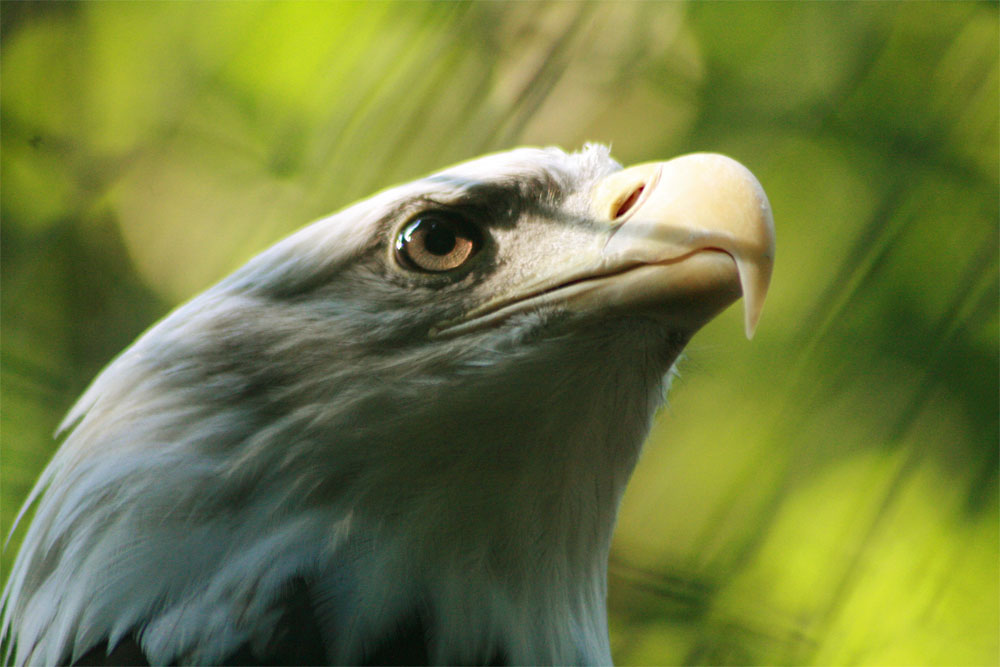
337,455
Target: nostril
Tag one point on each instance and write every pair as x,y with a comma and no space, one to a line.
629,202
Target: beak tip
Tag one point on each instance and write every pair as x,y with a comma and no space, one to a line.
751,317
755,278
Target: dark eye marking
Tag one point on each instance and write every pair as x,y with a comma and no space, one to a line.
437,241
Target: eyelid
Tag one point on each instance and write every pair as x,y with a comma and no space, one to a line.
477,206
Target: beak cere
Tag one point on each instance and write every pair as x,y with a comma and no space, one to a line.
698,230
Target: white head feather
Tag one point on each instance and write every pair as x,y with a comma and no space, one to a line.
297,420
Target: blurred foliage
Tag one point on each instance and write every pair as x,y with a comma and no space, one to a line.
826,495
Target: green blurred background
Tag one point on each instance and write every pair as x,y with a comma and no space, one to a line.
824,495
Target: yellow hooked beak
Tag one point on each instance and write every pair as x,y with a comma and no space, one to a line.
671,211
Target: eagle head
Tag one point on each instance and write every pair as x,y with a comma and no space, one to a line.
400,434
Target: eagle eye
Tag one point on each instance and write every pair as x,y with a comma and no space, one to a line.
437,241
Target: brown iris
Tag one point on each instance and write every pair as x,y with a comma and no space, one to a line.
436,242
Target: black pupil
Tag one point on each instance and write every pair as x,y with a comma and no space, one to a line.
439,239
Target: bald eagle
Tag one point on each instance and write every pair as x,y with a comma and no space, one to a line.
400,435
